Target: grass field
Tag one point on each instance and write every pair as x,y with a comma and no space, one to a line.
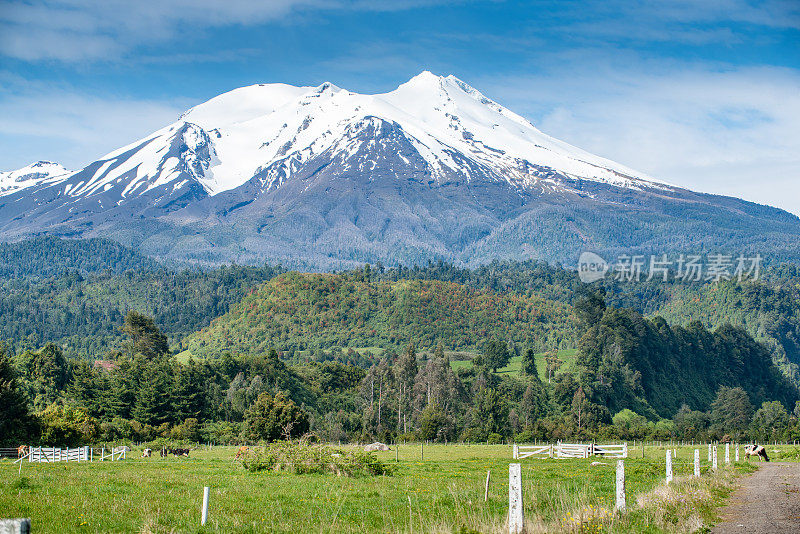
514,365
443,493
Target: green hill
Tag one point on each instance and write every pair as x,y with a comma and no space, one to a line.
297,312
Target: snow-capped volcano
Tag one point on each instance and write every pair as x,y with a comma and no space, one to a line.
272,130
35,174
322,176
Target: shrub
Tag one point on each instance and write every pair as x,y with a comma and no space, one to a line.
189,430
473,435
272,418
303,458
221,432
526,436
494,439
67,425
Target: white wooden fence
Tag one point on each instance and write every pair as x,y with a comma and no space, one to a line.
571,450
79,454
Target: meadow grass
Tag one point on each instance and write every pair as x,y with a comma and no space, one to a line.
443,493
515,363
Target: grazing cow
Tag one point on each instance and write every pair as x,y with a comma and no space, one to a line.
241,452
22,450
146,453
180,452
756,450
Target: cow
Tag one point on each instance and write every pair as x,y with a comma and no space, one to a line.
146,453
22,450
377,446
241,452
180,452
756,450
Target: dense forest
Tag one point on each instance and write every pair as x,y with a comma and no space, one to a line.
317,311
75,293
633,378
264,341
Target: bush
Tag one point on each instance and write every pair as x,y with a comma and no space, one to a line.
473,435
67,425
222,432
272,418
494,439
526,436
189,430
302,458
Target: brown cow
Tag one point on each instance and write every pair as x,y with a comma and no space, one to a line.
241,452
22,450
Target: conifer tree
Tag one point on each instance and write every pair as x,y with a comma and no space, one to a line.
529,365
14,418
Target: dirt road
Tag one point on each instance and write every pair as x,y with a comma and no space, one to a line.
768,501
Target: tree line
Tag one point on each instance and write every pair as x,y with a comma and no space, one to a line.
633,378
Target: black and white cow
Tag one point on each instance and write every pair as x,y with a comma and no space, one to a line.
756,450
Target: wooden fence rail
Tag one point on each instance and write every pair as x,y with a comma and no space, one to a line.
571,450
78,454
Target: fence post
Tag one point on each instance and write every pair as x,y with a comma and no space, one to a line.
515,453
727,454
204,513
620,504
15,526
486,489
669,466
697,462
714,459
516,515
737,452
709,452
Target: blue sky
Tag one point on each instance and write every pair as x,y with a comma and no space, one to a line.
702,94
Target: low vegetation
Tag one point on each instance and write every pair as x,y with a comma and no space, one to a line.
444,493
303,458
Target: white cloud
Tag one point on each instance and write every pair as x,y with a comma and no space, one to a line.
98,29
77,30
728,131
74,129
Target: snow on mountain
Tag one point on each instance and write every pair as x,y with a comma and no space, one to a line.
279,127
321,177
35,174
270,131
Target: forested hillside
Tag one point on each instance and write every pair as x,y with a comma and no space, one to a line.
301,311
632,378
76,293
84,313
627,361
46,257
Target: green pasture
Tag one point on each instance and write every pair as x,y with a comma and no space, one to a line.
442,492
515,364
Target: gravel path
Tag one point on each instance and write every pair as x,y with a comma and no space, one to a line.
768,501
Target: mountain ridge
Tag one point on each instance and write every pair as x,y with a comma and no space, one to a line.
327,178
